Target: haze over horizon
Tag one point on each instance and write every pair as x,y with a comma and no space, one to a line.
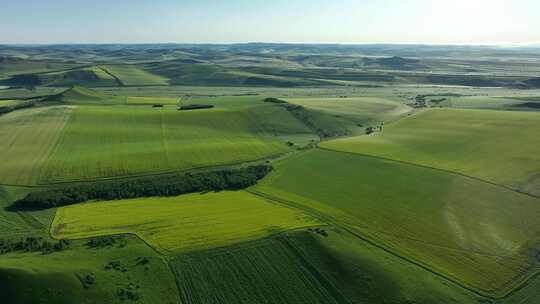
480,22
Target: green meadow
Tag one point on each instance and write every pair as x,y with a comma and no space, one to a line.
473,232
103,142
27,137
183,223
498,146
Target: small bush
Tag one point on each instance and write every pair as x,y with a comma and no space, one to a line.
33,244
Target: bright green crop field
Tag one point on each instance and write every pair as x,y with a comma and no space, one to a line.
498,146
183,223
473,232
114,141
27,137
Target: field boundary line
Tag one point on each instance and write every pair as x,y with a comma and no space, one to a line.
116,79
433,168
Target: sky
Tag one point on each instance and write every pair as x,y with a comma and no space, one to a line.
295,21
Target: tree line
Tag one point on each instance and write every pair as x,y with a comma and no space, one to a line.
11,108
32,244
165,185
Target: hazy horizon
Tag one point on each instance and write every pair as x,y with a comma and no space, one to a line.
460,22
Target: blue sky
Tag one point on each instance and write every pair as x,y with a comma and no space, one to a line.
225,21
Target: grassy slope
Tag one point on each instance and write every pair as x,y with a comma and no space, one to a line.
130,75
357,110
182,223
90,76
304,267
81,95
494,145
26,139
473,232
112,141
37,278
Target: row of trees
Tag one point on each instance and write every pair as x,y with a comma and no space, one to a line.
32,244
166,185
195,107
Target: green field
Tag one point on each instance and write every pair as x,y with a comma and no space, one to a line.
54,278
114,141
133,76
27,137
182,223
497,146
473,232
307,268
492,102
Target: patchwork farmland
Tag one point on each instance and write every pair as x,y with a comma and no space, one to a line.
269,174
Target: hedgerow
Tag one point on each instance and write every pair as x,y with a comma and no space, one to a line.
166,185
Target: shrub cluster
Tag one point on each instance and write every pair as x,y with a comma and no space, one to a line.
130,293
32,244
195,107
167,185
107,241
87,280
274,100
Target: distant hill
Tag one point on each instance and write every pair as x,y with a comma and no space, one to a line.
395,62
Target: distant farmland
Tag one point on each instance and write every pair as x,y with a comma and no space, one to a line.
130,75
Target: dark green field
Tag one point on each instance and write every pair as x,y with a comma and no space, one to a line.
385,174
